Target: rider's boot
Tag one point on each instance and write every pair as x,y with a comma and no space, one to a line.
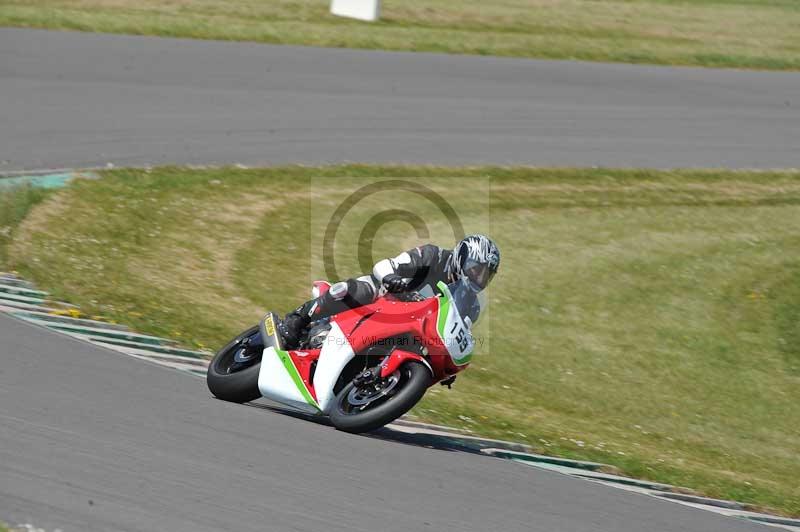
341,296
291,328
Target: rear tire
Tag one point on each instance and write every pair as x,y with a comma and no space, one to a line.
232,381
415,380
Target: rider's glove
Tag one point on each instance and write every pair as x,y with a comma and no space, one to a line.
394,283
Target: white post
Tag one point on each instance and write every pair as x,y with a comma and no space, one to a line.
368,10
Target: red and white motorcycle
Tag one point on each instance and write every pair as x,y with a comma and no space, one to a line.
364,367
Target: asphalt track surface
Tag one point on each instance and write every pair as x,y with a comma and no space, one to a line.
92,440
81,100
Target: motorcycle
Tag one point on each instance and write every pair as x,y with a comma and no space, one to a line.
364,367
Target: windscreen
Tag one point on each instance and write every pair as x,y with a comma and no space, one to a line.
468,298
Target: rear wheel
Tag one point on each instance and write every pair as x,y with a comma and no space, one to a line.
233,372
368,406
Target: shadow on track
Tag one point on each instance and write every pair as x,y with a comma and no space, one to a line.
405,432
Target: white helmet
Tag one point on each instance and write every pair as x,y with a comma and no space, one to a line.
477,258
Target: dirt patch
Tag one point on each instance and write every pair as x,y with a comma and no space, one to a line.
201,253
38,221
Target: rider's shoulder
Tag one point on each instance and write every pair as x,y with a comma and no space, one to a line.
432,252
428,250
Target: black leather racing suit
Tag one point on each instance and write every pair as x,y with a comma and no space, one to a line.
421,267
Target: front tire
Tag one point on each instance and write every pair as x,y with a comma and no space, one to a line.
233,372
414,378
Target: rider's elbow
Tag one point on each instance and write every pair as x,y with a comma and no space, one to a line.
382,269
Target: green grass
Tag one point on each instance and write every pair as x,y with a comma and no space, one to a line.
14,205
759,34
649,320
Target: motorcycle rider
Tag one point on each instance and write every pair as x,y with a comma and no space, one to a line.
475,258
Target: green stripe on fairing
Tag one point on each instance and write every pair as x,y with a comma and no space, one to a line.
444,310
295,375
462,361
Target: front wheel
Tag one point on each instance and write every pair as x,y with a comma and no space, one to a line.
233,372
369,406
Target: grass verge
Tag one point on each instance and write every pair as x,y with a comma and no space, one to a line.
759,34
14,205
645,319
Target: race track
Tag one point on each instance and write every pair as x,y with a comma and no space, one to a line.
79,100
91,440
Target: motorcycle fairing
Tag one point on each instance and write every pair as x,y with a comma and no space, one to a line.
385,319
285,376
452,330
280,380
398,358
336,353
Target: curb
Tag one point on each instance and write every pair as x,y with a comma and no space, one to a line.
11,299
58,318
49,179
543,459
577,468
719,503
12,306
764,518
136,345
9,280
459,433
40,311
20,290
104,332
45,171
627,481
187,361
462,441
21,299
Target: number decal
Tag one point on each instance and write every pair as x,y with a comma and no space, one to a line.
462,339
453,332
